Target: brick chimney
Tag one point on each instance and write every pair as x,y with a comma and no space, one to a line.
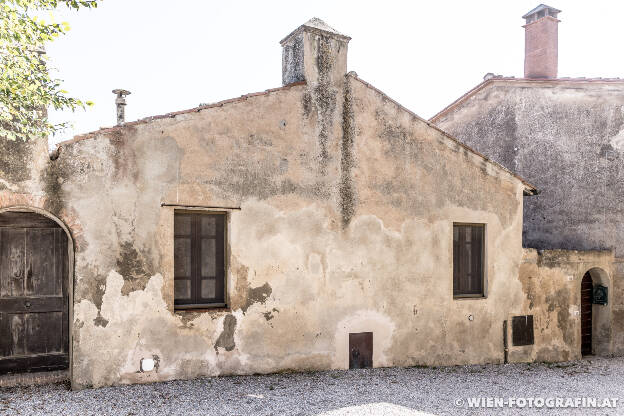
314,52
540,42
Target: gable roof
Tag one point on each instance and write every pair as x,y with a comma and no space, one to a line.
527,81
197,109
528,188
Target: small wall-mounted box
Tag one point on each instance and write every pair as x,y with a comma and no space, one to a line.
600,295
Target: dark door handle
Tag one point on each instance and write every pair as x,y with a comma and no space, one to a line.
27,304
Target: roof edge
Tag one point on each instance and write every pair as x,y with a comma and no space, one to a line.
495,79
145,120
528,188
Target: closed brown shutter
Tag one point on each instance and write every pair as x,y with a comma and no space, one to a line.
199,259
468,259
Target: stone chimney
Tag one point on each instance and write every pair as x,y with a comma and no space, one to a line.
540,42
315,53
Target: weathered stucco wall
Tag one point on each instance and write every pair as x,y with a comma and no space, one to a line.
347,203
408,174
567,139
551,283
343,228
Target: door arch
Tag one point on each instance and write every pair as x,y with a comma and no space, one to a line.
587,287
35,290
595,319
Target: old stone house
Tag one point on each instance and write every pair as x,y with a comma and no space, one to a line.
566,136
319,225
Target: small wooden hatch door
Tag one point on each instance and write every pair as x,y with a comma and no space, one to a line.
34,324
361,350
586,314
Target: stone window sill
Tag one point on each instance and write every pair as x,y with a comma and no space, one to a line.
214,307
468,297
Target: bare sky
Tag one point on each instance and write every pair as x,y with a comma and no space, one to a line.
176,54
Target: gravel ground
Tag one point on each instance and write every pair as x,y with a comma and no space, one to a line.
380,391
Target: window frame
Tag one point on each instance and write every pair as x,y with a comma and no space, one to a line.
196,262
483,292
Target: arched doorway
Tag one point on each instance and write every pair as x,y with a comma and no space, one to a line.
34,292
587,288
595,318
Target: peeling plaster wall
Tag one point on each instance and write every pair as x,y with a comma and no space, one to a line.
417,181
551,282
567,139
350,233
21,163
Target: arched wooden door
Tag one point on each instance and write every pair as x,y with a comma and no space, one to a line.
587,288
34,302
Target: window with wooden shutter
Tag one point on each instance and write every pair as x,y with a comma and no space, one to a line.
468,259
199,259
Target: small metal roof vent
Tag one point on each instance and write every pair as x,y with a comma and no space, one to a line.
120,103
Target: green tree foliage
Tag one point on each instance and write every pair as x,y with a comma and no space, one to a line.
26,88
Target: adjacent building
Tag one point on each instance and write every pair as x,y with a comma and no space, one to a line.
566,136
